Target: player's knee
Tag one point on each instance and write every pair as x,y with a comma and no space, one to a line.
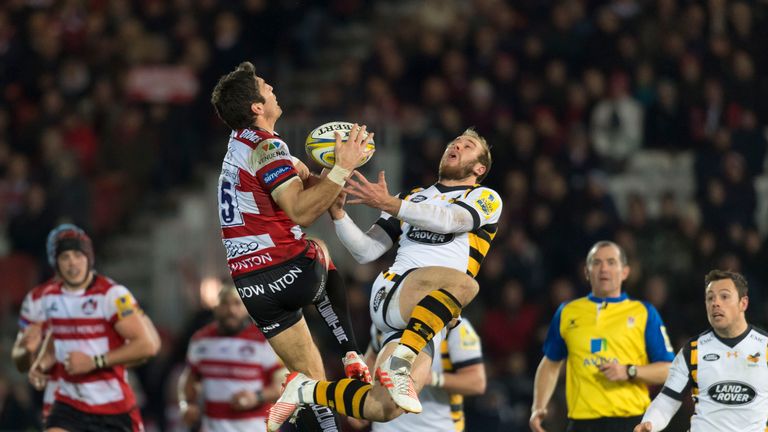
469,288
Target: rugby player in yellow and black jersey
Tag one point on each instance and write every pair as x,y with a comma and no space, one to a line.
613,347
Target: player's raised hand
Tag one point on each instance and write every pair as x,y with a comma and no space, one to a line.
644,427
375,195
349,153
537,415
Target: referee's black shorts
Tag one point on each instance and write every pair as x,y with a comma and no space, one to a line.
604,424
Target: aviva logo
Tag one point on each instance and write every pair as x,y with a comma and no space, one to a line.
598,345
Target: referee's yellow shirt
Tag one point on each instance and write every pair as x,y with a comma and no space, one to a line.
591,331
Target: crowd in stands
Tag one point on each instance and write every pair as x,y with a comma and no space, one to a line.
567,92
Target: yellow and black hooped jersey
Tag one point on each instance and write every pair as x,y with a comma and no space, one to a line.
728,379
463,251
591,331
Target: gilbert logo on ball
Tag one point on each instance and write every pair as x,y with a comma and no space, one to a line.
320,142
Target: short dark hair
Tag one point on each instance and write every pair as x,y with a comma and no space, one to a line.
738,279
233,95
485,158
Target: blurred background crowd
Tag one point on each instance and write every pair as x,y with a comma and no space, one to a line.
639,121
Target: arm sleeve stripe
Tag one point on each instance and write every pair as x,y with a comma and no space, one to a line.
294,175
465,363
491,228
671,393
390,226
473,212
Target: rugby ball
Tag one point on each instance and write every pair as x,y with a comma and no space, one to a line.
320,142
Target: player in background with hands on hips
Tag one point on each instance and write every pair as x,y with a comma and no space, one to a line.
613,346
263,203
443,233
726,367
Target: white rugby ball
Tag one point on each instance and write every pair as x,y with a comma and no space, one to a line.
320,142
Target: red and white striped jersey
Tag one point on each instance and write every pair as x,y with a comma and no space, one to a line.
32,313
227,365
257,233
85,321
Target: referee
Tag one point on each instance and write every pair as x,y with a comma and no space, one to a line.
615,346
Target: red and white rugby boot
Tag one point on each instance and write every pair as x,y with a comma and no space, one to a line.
290,401
399,384
355,367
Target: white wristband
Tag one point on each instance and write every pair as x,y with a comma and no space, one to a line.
338,175
438,379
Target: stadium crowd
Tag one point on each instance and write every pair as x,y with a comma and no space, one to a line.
567,92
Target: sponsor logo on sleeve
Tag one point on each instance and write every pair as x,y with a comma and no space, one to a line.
712,357
272,175
418,198
126,306
732,393
469,339
270,150
487,204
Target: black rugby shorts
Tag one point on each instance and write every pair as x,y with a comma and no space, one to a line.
274,297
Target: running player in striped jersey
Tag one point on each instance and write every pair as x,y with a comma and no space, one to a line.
231,365
443,232
726,367
30,337
97,330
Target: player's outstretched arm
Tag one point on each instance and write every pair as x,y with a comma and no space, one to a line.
430,217
363,246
